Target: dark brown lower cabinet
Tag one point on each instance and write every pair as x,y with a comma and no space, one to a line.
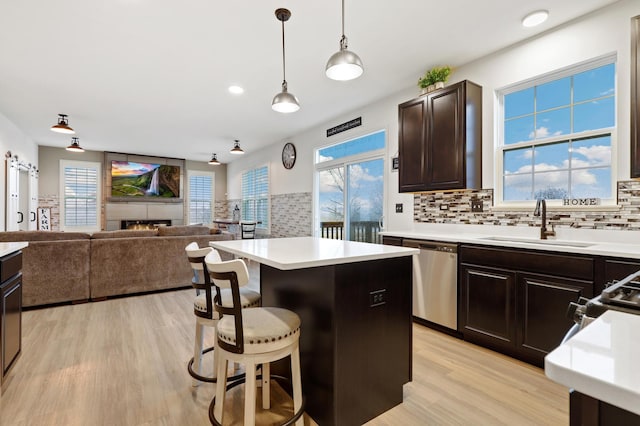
10,311
488,306
587,411
515,301
613,269
543,302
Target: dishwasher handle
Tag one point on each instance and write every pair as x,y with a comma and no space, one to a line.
431,245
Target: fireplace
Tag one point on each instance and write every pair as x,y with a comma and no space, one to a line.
144,224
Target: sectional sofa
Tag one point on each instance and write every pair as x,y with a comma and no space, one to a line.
63,267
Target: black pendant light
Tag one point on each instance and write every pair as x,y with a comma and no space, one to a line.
236,148
63,125
284,101
75,145
214,160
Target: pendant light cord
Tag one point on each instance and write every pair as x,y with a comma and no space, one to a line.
342,18
284,70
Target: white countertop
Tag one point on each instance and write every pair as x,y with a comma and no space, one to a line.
308,252
585,245
602,360
8,248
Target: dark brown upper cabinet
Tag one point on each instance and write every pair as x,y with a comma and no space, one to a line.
635,97
440,139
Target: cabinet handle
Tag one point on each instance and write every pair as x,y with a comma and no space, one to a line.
33,216
21,217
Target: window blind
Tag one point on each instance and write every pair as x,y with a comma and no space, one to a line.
255,196
80,196
200,199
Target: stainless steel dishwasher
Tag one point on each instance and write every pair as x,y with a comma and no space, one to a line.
435,282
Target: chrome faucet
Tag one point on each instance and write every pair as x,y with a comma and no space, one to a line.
541,204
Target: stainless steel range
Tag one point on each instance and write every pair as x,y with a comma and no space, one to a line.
623,296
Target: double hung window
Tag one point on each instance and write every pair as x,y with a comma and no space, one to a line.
557,134
80,191
201,197
255,196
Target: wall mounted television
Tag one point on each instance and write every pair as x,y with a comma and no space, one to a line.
144,180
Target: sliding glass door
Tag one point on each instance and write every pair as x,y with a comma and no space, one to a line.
350,189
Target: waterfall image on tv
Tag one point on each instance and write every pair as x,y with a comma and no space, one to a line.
129,179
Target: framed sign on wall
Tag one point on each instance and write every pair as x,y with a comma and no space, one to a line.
44,219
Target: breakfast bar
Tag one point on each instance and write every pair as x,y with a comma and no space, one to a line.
354,300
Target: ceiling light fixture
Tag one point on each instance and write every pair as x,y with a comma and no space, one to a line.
236,148
344,64
63,125
284,101
214,160
236,90
75,145
535,18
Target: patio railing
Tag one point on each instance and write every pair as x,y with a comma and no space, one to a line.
364,231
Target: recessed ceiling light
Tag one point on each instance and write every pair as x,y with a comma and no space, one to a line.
236,90
535,18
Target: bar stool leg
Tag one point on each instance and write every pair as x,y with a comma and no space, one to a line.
266,378
197,352
250,394
296,383
221,384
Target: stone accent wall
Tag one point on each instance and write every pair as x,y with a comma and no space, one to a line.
455,207
291,215
221,209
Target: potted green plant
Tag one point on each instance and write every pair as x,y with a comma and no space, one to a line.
434,78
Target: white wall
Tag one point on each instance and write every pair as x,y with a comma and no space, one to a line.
594,35
12,139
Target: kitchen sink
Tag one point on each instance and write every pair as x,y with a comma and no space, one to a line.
539,242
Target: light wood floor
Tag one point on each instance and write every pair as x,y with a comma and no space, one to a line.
123,362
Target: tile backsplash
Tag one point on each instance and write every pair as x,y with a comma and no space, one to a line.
454,207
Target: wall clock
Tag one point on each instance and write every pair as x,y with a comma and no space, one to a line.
288,155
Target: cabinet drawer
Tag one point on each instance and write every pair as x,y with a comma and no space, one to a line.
10,265
570,266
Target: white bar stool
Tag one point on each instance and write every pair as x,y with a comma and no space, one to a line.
206,316
252,337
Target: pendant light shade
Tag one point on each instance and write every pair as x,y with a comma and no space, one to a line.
284,101
236,148
344,64
63,125
214,160
75,145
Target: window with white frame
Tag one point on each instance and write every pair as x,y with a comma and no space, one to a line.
255,196
557,135
201,196
80,195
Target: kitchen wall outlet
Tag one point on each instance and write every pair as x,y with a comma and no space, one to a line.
377,298
399,208
476,205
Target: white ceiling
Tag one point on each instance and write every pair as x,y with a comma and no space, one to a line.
151,76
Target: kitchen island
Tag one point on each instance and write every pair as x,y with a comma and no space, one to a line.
354,300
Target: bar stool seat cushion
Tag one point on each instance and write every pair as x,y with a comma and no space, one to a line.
264,329
248,299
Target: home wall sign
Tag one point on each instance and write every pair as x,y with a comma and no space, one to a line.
581,201
344,126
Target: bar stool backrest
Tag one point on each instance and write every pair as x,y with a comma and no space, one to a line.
201,279
231,274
